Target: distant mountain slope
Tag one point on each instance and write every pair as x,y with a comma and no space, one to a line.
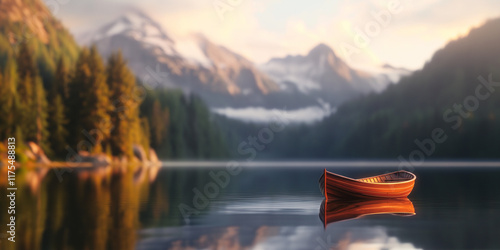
31,22
452,92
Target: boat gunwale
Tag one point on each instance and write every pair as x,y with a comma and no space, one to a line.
414,177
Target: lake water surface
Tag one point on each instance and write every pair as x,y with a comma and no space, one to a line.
249,208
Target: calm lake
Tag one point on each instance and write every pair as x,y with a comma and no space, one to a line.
248,208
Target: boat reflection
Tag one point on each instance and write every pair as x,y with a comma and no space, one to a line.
339,210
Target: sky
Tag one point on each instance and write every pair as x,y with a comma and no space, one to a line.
365,33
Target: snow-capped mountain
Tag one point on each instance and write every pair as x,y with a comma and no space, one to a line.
321,70
319,73
224,78
239,75
138,26
194,64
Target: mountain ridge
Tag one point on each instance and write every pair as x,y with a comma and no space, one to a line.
224,77
198,65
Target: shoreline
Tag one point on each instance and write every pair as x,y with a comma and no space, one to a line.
66,164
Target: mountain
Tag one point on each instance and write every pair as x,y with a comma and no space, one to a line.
320,73
448,109
136,25
194,65
223,77
31,22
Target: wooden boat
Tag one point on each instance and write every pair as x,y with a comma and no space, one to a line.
397,184
340,210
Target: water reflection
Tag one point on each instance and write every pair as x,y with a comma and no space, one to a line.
266,208
88,208
340,210
273,237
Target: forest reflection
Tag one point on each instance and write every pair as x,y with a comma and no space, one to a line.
138,208
91,208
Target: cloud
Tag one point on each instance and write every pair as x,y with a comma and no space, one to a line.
261,115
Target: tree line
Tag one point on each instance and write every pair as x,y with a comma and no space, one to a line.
98,107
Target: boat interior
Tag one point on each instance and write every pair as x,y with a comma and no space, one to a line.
387,178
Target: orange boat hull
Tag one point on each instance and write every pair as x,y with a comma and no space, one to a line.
392,185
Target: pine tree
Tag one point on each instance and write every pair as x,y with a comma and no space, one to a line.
124,113
58,99
57,123
90,96
33,101
61,82
25,72
25,62
76,101
39,114
144,136
8,100
158,126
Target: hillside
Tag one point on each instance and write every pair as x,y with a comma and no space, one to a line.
442,95
31,22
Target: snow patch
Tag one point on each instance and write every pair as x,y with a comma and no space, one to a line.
191,50
116,29
300,74
151,30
